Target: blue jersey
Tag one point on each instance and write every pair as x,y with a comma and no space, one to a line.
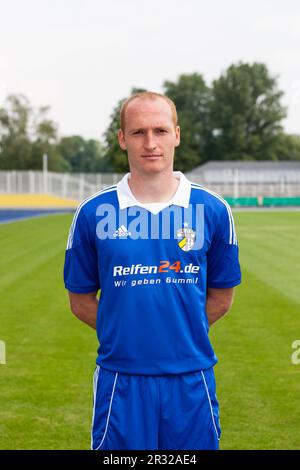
153,264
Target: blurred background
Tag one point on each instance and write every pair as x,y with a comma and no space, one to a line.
232,70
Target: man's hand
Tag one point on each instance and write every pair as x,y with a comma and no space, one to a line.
84,307
218,302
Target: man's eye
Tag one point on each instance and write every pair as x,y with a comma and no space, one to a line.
137,132
162,131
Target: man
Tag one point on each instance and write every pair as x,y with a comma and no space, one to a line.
163,251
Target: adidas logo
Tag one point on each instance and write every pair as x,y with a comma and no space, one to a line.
121,232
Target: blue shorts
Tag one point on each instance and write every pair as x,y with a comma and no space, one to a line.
168,412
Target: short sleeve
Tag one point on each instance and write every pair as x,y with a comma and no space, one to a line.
223,267
81,265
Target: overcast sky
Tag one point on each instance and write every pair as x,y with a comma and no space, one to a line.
81,56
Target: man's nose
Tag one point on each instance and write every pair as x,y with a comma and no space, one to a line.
150,142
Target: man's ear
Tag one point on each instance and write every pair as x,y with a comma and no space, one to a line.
121,139
177,132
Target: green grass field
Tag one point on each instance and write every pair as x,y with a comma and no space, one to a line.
46,385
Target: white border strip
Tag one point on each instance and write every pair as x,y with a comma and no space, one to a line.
210,405
95,386
108,416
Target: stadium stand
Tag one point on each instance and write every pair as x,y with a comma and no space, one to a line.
252,183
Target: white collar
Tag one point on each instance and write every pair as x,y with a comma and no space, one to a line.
180,198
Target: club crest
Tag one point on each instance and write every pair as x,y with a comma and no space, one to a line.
186,238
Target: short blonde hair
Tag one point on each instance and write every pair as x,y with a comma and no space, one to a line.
146,95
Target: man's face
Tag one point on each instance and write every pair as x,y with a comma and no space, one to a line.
150,136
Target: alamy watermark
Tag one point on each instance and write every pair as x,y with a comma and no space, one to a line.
2,353
186,225
295,358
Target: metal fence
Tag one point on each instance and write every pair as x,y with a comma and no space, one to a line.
228,183
66,185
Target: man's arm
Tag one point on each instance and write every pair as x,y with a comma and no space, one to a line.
84,307
218,302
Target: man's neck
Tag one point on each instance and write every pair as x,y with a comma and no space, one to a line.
153,188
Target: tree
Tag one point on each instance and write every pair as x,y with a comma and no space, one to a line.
45,137
25,135
191,97
80,155
15,144
95,153
245,114
115,158
288,147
